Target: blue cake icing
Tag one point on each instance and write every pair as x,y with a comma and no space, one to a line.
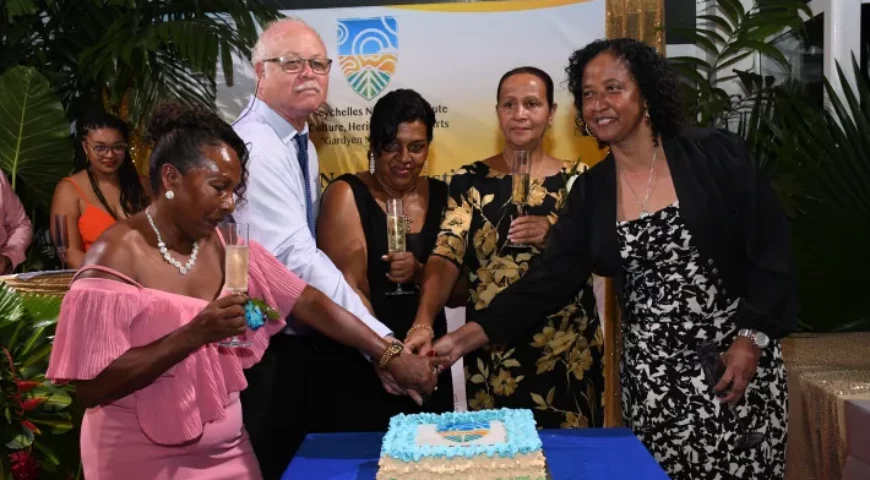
521,435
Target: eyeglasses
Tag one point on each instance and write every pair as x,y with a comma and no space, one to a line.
296,65
117,149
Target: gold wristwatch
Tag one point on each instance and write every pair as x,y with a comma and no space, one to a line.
391,351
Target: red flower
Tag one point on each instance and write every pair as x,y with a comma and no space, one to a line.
24,465
25,386
30,426
32,403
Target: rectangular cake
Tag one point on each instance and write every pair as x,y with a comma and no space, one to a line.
484,445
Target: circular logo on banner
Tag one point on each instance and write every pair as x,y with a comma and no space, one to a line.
463,432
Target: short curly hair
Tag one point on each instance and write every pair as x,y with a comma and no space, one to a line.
397,107
179,134
658,82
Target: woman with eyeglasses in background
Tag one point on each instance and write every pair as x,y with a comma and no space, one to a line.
105,187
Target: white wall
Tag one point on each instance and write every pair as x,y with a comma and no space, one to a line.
842,35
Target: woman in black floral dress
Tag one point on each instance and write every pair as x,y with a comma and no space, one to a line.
698,248
555,366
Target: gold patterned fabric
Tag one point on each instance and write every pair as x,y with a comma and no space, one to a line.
556,368
824,371
640,19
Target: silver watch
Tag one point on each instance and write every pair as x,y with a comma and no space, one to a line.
759,339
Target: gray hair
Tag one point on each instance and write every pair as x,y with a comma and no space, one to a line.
258,53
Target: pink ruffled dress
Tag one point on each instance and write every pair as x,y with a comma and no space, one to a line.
188,423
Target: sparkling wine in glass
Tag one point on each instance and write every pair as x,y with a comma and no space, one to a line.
397,230
235,267
520,183
60,239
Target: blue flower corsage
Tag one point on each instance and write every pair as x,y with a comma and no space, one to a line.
257,312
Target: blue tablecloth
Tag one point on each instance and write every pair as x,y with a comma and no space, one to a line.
585,454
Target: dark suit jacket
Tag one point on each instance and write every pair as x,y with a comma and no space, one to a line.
730,208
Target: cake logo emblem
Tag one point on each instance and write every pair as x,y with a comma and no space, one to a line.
464,432
368,49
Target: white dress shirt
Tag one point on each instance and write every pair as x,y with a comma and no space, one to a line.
275,207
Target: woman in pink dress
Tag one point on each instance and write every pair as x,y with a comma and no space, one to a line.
139,326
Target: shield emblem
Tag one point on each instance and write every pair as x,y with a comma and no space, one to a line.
368,49
464,431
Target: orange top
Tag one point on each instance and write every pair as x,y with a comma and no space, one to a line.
93,221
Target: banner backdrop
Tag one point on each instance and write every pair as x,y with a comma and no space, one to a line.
452,54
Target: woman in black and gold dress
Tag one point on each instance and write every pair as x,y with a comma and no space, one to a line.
555,368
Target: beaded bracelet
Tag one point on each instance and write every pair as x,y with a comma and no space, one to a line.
420,326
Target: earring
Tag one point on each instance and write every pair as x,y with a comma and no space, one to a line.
646,116
371,163
169,194
586,129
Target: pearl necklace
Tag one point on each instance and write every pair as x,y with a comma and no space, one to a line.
167,256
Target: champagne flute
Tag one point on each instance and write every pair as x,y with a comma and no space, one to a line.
235,267
397,229
60,239
520,184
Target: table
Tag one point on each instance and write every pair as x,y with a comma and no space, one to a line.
857,464
825,372
584,454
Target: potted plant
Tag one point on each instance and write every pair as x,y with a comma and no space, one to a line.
828,152
124,55
39,425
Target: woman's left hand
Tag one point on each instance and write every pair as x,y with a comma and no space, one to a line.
404,267
445,352
741,361
448,349
529,230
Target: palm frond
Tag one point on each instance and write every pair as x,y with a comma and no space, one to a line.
34,143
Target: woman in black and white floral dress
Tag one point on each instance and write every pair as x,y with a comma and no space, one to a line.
698,248
673,304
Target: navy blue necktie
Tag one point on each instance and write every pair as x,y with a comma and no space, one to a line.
302,156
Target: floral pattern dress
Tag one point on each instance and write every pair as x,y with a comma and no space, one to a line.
556,369
672,306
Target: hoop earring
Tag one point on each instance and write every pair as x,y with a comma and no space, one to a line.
371,163
169,194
